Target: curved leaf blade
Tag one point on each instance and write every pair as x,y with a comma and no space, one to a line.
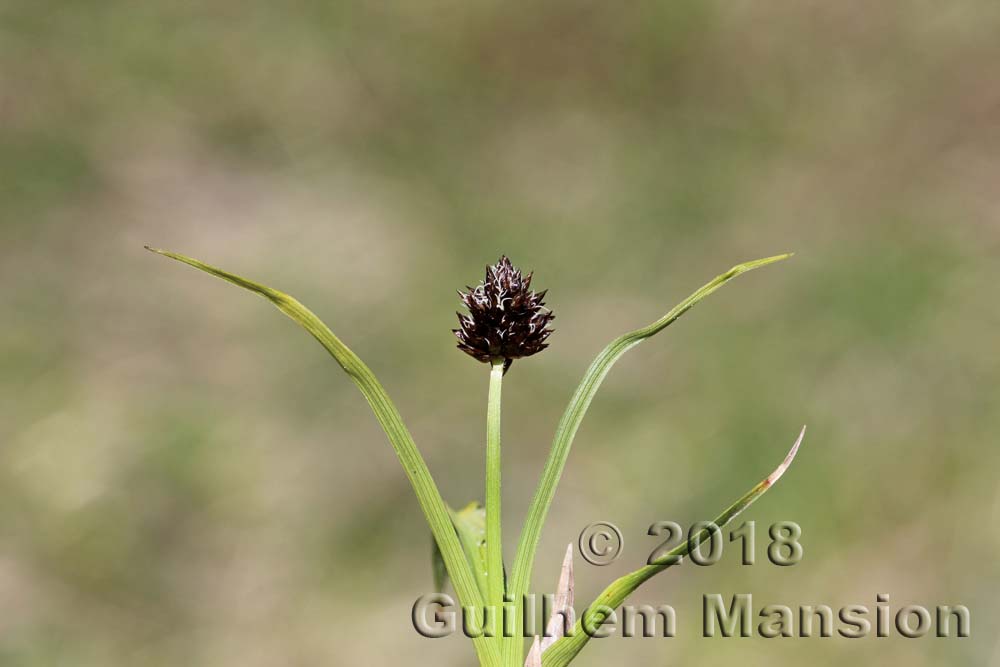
566,648
470,524
428,495
570,422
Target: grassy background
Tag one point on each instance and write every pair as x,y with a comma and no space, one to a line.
185,478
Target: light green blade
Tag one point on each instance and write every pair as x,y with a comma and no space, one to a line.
570,422
388,416
470,524
566,648
439,569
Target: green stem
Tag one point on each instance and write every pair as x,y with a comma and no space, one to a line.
494,537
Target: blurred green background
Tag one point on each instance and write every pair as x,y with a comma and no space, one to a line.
187,479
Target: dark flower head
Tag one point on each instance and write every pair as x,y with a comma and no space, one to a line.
507,319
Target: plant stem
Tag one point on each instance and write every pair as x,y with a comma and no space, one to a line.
494,543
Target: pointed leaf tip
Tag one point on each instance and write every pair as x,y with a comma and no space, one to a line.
757,263
780,470
562,608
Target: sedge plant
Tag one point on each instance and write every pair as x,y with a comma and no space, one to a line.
507,320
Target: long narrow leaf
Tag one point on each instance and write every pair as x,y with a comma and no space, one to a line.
566,648
470,523
439,570
570,422
388,416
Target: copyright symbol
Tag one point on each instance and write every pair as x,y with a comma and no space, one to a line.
601,543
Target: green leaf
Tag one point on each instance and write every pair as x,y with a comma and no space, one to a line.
570,422
566,648
438,568
470,525
433,506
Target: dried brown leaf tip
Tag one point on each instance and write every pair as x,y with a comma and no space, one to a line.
506,320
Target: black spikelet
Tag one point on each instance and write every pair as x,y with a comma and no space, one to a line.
507,319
